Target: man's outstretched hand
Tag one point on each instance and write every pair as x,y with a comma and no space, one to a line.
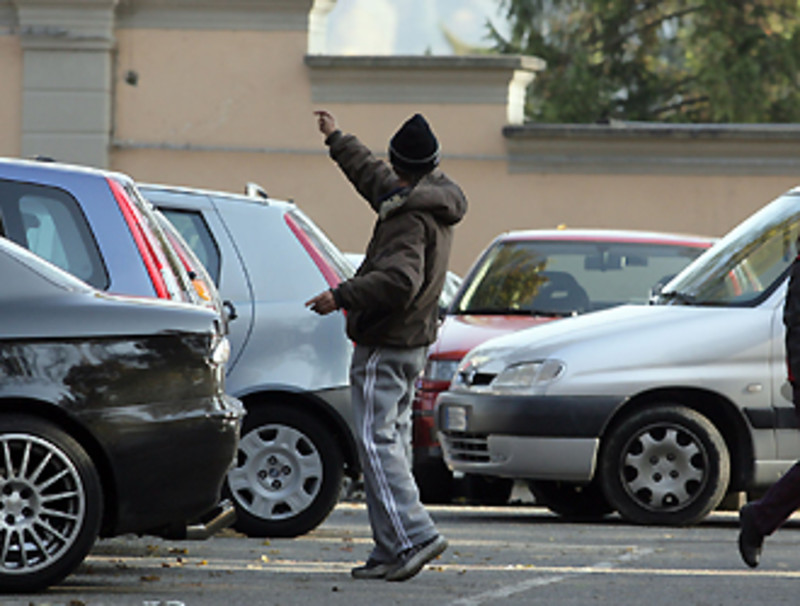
324,303
325,121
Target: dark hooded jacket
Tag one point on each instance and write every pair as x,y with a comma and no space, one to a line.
393,300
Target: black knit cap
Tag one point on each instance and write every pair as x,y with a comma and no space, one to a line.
414,148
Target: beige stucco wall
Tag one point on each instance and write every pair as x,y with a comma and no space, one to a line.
217,109
211,88
686,204
11,97
499,201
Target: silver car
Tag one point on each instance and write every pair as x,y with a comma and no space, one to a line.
654,411
288,366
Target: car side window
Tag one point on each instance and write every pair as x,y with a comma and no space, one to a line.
195,231
49,222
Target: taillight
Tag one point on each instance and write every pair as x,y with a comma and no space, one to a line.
199,285
324,267
152,256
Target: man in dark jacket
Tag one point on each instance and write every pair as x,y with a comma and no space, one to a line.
392,316
763,517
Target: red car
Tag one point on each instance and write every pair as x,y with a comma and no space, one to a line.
526,278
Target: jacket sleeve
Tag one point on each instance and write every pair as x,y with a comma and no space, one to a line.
397,275
371,177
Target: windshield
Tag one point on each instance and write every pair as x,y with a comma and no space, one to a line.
747,264
564,277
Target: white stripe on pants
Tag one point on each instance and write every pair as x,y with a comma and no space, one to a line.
382,384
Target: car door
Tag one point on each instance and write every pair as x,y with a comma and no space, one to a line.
196,218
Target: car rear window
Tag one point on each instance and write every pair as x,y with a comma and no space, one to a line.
195,231
324,251
49,222
51,273
518,276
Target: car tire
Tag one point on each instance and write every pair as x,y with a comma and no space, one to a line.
665,465
288,473
487,490
571,501
51,504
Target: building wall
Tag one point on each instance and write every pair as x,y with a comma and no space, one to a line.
11,97
221,92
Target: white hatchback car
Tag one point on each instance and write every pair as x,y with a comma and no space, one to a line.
654,411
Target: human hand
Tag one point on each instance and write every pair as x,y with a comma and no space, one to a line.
325,121
324,303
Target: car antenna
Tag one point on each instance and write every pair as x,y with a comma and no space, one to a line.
254,190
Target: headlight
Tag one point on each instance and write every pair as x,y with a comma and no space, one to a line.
440,370
526,375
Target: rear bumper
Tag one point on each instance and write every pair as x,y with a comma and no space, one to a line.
170,465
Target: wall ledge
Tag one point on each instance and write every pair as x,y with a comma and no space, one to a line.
424,79
653,148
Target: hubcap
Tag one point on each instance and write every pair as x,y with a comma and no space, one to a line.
42,503
279,472
664,467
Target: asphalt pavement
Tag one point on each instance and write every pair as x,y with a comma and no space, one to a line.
511,555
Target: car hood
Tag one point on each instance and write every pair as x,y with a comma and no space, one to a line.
605,350
460,333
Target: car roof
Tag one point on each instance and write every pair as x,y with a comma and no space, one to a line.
218,194
606,235
47,165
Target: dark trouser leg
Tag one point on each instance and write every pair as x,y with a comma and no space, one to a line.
780,501
783,497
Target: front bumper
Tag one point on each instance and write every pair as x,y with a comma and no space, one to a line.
539,437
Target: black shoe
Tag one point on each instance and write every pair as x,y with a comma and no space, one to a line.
373,569
411,561
750,538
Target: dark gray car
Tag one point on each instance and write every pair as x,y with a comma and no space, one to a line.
97,438
288,366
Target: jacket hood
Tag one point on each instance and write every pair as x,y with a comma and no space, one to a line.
438,195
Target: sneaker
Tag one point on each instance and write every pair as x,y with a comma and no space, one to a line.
373,569
750,538
411,561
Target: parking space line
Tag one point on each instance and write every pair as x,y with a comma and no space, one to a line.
568,572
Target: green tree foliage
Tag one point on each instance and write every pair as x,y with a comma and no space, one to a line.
659,60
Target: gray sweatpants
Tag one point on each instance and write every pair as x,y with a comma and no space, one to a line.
382,385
